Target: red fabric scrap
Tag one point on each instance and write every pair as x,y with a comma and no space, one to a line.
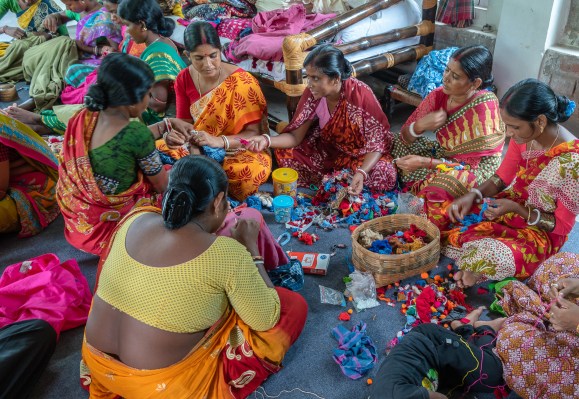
423,303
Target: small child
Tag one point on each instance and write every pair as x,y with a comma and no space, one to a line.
430,356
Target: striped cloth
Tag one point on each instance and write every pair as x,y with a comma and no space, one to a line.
458,13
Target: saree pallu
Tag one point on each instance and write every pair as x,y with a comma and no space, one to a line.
164,60
538,361
89,215
508,246
357,127
33,193
226,110
230,361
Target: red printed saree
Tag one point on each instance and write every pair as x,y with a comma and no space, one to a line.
356,127
509,246
91,216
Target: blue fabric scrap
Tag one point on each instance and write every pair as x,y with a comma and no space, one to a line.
356,353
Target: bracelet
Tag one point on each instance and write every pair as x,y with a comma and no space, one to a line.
530,211
577,329
412,132
258,262
159,132
257,257
497,181
363,173
547,222
268,139
431,161
538,217
157,100
478,194
225,142
168,126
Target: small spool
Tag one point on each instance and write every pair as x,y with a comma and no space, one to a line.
8,92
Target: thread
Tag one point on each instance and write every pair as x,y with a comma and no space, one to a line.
262,394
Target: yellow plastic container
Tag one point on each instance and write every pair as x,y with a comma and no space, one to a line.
285,182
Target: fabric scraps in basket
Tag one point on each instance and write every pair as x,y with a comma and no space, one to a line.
401,242
356,353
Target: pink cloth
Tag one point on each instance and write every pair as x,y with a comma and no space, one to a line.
271,27
273,255
43,288
75,95
232,27
323,113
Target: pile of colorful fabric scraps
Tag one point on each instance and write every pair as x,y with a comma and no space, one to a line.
401,242
356,353
474,218
340,207
259,201
428,300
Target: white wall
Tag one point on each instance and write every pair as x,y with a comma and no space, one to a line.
526,29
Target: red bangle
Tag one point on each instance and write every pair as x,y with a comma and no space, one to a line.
363,172
431,160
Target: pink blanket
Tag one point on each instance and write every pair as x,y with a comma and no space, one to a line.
271,27
43,288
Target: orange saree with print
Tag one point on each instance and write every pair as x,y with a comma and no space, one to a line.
89,215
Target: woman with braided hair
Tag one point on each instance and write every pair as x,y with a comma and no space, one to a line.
194,315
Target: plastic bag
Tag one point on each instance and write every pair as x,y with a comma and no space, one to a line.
362,287
409,204
331,296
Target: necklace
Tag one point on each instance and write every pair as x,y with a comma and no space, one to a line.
530,149
201,91
155,41
199,224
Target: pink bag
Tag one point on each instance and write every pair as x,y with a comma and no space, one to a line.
43,288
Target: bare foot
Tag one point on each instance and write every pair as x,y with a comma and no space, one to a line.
472,317
466,278
24,116
495,324
28,105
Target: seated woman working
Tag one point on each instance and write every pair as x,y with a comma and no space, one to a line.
183,342
226,106
110,163
533,193
469,134
338,124
28,175
146,25
539,341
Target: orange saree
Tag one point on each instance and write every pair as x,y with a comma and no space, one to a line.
89,215
226,111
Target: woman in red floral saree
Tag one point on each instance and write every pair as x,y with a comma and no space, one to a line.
338,125
534,192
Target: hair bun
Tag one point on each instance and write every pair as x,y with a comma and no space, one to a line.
166,26
95,99
178,204
565,108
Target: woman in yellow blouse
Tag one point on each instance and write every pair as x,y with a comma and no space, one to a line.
193,314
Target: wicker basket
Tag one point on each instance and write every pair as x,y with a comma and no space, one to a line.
388,269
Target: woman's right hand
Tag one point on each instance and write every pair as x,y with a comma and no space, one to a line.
246,231
565,287
16,33
51,22
257,143
460,207
431,121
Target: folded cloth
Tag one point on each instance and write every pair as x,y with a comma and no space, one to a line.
271,27
290,276
356,353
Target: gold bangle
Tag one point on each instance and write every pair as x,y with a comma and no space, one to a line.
529,215
257,257
497,181
577,329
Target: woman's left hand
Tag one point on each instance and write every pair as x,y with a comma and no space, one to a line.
564,315
181,126
410,163
201,138
356,185
499,207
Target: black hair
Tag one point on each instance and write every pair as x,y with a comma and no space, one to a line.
530,98
149,12
194,182
476,62
198,33
330,61
122,80
112,1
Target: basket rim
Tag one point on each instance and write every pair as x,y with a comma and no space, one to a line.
427,247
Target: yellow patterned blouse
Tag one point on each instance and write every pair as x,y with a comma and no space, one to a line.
191,296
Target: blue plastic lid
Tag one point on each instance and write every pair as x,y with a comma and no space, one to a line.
283,201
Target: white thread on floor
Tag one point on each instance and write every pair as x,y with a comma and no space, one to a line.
264,394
